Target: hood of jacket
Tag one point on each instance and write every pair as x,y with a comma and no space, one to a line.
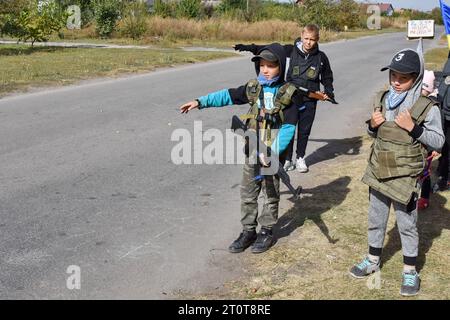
278,50
415,91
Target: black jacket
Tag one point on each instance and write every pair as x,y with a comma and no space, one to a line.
307,71
444,91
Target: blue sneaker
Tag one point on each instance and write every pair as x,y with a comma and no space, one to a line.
364,268
410,284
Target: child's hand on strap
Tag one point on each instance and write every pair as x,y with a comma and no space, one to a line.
377,119
404,121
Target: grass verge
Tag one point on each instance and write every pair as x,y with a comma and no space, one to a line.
436,58
325,233
216,33
22,67
322,235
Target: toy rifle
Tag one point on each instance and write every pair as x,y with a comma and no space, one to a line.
316,95
240,128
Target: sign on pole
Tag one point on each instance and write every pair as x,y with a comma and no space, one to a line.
421,29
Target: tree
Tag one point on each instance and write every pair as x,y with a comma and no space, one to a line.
9,9
436,15
35,21
347,14
319,12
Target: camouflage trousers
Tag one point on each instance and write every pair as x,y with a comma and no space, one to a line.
250,190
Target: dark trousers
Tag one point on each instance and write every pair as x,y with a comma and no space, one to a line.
426,183
306,115
250,190
444,163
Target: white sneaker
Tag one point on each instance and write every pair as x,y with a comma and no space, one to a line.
288,165
301,165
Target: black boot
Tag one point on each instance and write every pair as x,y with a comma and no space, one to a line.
263,242
245,239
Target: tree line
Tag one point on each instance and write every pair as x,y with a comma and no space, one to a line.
36,20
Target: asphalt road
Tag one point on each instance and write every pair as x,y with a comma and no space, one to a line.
87,179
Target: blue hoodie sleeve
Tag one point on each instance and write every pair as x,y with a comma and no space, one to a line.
215,99
285,135
287,130
224,97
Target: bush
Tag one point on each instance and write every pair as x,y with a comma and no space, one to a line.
135,20
241,10
165,9
282,11
189,8
106,13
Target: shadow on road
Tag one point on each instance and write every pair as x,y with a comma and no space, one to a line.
334,148
314,203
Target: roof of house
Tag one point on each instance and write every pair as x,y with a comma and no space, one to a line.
384,7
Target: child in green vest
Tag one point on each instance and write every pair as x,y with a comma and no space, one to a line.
405,126
270,64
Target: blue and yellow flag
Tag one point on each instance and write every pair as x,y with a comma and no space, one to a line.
445,9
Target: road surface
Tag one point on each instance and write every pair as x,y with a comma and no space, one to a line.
87,180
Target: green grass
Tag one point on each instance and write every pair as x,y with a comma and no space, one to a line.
22,66
436,58
87,35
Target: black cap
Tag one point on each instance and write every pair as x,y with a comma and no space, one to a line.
266,55
406,61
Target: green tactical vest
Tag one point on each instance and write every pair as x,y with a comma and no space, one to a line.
396,159
267,119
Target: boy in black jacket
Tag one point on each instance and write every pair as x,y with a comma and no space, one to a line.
308,68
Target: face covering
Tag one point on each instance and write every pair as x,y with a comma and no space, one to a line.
394,98
265,82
